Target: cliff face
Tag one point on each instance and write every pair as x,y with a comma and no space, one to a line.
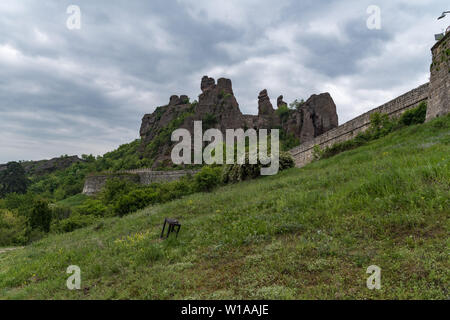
218,108
315,117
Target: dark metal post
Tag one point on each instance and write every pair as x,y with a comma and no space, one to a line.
164,227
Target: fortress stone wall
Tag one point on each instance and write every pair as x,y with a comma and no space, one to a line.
439,100
436,93
304,153
94,184
149,177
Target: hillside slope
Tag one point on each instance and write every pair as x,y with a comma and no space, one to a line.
307,233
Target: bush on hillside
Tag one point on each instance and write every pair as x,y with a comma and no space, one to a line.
41,216
283,112
237,172
114,188
414,116
93,207
74,222
380,125
208,178
23,203
286,161
13,229
136,200
181,187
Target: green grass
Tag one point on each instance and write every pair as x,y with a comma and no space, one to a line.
307,233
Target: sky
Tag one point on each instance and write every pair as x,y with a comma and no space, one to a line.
85,91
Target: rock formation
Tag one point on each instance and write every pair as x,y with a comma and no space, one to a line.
46,166
280,102
315,117
218,108
218,105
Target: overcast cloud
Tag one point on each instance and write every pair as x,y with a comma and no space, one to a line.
85,91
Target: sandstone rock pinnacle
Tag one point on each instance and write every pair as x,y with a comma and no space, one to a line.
207,83
280,102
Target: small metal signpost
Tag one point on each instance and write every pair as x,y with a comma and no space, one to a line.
172,224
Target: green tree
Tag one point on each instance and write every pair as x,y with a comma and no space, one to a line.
41,216
13,228
13,179
297,104
414,116
208,178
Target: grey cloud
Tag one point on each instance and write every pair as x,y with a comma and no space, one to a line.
85,91
333,58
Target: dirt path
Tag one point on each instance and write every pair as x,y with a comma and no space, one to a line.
3,250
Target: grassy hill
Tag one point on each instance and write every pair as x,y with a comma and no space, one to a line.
307,233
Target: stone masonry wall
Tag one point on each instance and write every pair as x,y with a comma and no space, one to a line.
439,99
149,177
304,153
94,184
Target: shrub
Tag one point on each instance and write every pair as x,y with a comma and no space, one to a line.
93,207
380,125
283,112
317,152
414,116
41,216
114,188
209,121
208,178
286,161
22,202
297,104
136,200
13,229
74,222
237,172
288,141
177,189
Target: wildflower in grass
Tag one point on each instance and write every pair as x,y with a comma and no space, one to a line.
134,239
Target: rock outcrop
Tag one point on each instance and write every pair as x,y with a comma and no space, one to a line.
46,166
218,108
280,102
313,118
